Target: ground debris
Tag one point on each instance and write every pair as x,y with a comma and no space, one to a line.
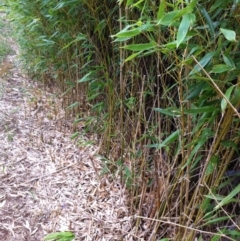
48,183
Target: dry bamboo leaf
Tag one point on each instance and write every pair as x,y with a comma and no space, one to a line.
48,183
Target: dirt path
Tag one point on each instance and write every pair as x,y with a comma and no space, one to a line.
48,183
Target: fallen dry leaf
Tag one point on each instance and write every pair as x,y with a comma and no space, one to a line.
48,183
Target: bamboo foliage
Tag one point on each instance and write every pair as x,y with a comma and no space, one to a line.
160,80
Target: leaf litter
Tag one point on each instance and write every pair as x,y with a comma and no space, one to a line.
48,183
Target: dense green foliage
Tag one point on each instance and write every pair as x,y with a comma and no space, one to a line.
5,47
160,81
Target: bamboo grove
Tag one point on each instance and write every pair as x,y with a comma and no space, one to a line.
158,82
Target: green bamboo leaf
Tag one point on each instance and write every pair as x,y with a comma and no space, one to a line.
127,33
236,96
214,197
204,118
227,95
132,56
192,4
171,45
33,22
206,206
200,238
85,78
229,61
220,68
217,220
129,3
200,143
140,47
100,27
203,62
230,35
66,236
217,236
168,18
75,104
174,136
121,40
212,165
217,4
208,19
146,26
184,11
200,110
230,144
137,3
187,20
74,135
196,90
229,197
59,5
161,9
169,111
77,39
231,232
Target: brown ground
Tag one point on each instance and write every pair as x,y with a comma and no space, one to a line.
48,183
